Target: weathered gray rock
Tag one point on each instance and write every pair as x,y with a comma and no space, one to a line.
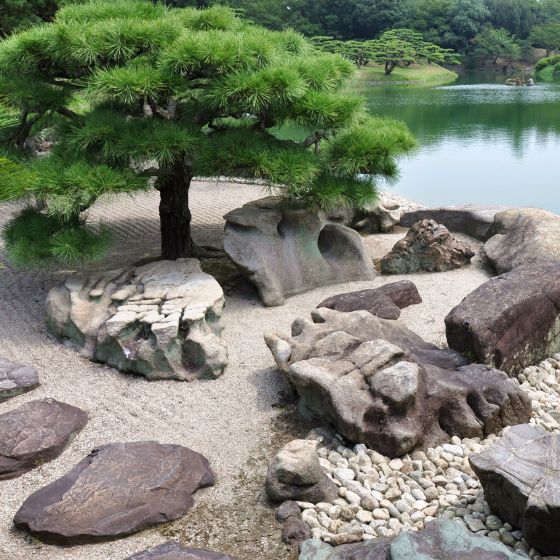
377,382
295,474
385,302
295,531
16,379
175,551
286,510
523,236
521,479
380,217
160,320
286,251
428,246
35,433
512,321
441,539
471,219
118,489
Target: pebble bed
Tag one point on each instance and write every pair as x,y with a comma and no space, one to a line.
379,497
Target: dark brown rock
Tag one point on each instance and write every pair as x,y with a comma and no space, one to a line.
295,474
35,433
523,236
428,246
521,479
378,383
16,379
295,531
511,321
174,551
385,302
287,509
116,490
440,540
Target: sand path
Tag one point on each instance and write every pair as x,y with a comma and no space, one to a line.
236,421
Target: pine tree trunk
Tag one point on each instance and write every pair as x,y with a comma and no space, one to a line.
174,213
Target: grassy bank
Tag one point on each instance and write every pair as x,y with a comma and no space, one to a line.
414,74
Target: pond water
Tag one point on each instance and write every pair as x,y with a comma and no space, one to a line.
480,141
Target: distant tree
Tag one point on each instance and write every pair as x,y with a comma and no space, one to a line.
546,37
495,43
136,95
515,16
20,14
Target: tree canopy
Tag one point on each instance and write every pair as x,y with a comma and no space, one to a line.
546,37
495,43
132,95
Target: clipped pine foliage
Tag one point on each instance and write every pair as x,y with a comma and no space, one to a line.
134,93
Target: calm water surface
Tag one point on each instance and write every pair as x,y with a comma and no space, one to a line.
480,141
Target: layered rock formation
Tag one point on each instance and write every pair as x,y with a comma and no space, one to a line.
16,379
377,382
286,251
175,551
160,320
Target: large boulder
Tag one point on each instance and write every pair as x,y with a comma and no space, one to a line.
35,433
471,219
521,479
512,321
385,302
285,251
16,379
296,474
160,320
173,550
523,236
377,382
118,489
441,539
428,246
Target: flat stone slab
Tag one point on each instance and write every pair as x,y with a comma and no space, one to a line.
175,551
512,321
429,247
523,236
471,219
160,320
521,479
287,251
385,302
117,490
16,379
377,382
441,539
35,433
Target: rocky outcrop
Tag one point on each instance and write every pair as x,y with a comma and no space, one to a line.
377,382
118,489
16,379
521,479
295,474
285,251
175,551
521,237
428,246
35,433
380,217
385,302
440,539
471,219
160,320
512,321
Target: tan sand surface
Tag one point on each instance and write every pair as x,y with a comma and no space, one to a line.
236,422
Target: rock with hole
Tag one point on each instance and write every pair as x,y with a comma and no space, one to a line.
286,251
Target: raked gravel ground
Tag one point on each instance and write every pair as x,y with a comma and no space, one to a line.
238,422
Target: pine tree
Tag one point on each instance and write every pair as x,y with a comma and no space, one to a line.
135,95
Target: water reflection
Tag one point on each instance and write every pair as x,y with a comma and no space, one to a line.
480,142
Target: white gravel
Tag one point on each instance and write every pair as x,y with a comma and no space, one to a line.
237,421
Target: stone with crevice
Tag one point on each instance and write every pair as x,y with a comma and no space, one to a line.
160,320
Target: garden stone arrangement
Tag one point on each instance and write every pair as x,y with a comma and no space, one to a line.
160,320
376,382
117,490
286,251
174,551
